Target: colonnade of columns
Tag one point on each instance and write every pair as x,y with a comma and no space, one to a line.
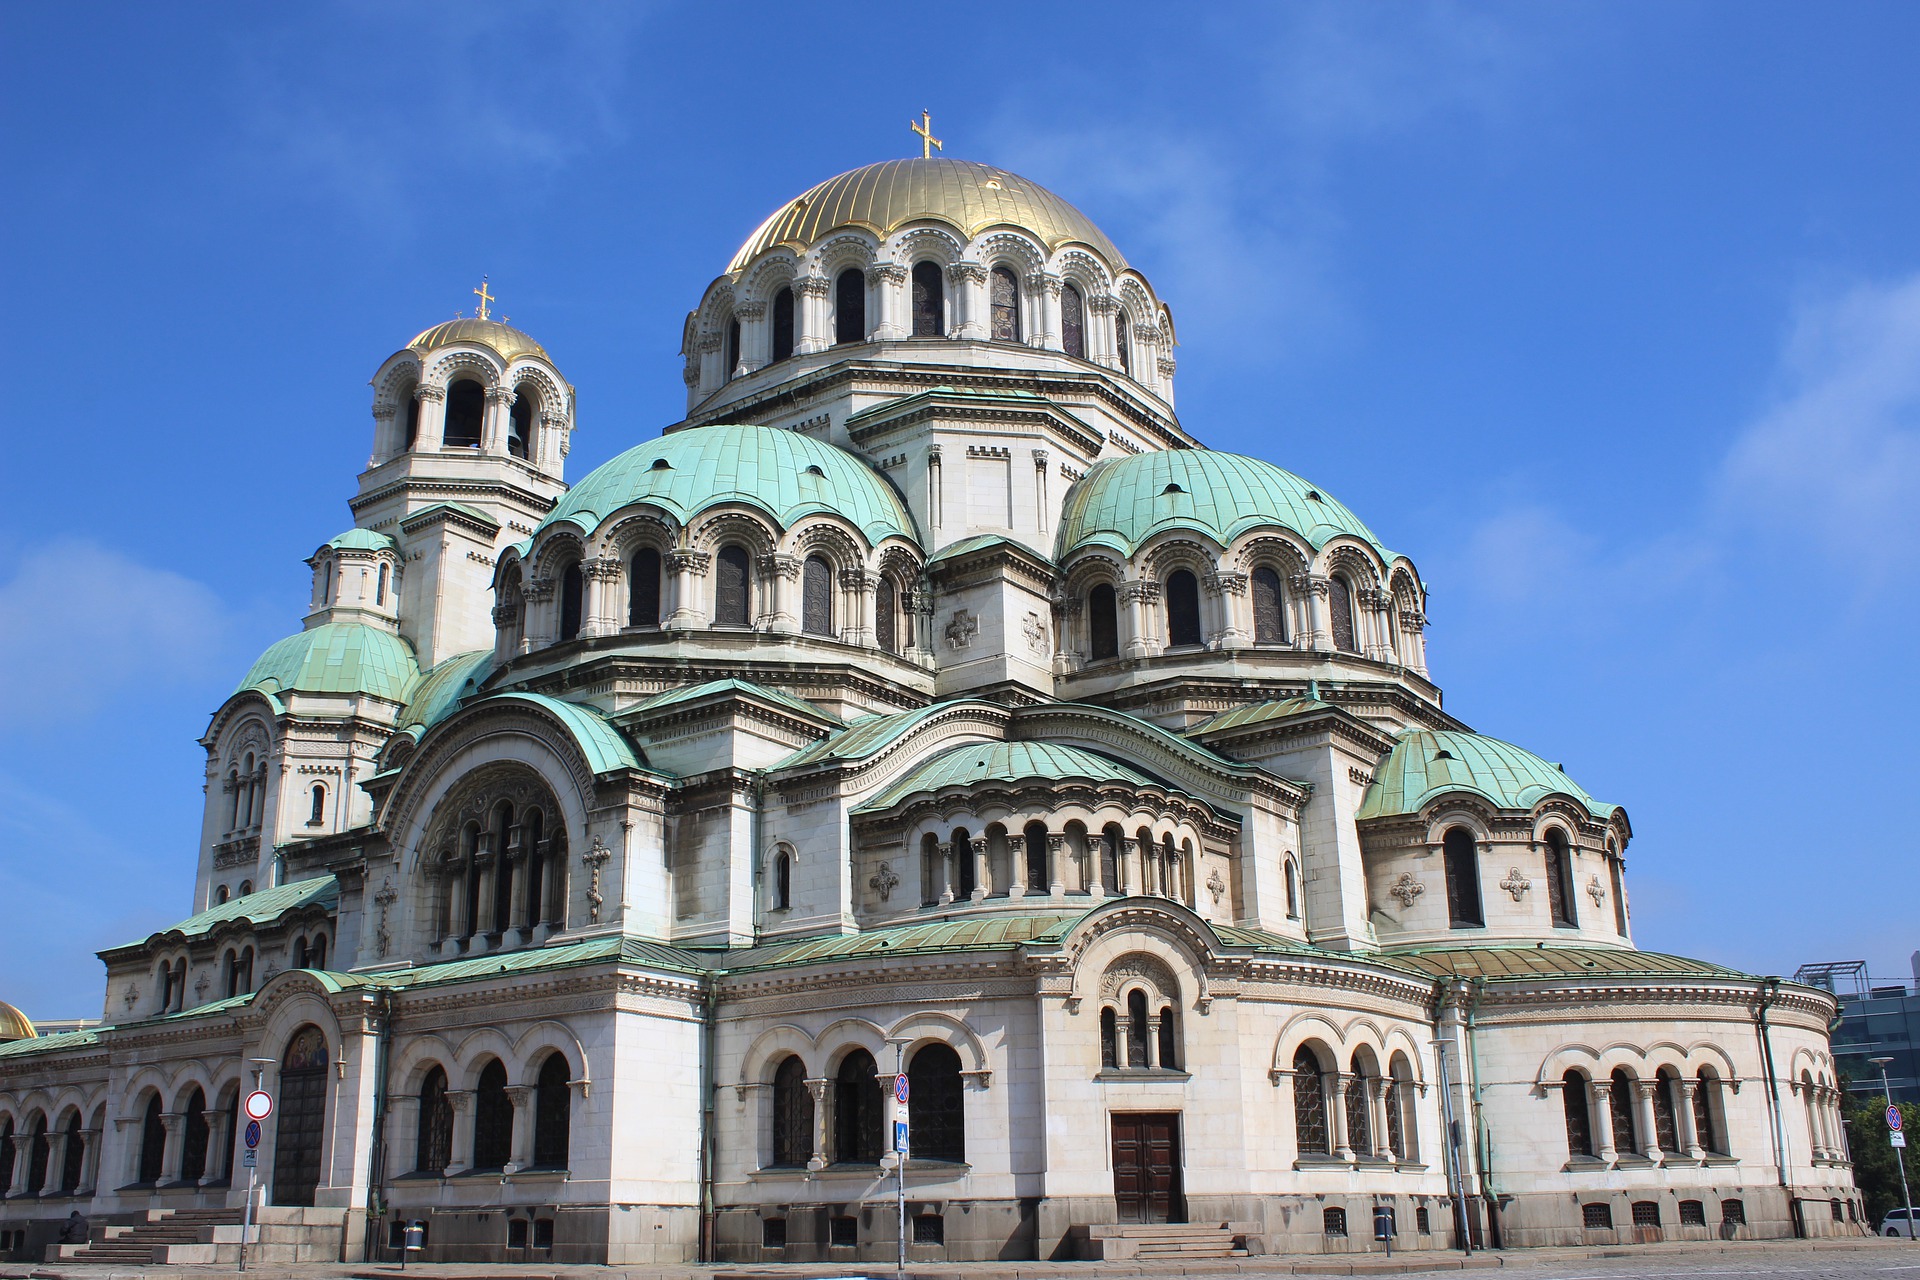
1376,1092
1037,863
472,914
547,426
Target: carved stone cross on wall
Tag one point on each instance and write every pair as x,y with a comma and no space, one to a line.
884,881
595,858
1594,891
1516,884
1407,890
382,940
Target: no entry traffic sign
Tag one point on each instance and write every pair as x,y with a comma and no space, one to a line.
259,1105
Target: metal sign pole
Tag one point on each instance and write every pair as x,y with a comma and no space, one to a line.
252,1132
899,1140
1455,1174
1899,1141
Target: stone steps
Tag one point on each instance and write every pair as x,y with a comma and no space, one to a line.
1117,1242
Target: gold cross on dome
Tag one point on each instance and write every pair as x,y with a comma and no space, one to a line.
925,129
484,296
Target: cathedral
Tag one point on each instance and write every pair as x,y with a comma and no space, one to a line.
928,713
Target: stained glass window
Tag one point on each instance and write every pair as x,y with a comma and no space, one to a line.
856,1108
1573,1096
783,324
850,306
1183,610
1340,607
1309,1105
1123,343
1463,879
1620,1098
1359,1119
433,1136
552,1113
792,1114
929,300
572,596
885,634
816,596
643,589
1006,306
1073,322
1103,622
193,1151
492,1118
1269,608
939,1104
733,590
1666,1127
1560,894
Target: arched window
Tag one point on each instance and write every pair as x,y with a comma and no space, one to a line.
1666,1126
816,597
933,872
1122,342
1168,1045
1619,894
1139,1029
433,1137
1269,608
964,878
1103,622
533,838
1399,1089
1183,610
1110,859
850,306
783,324
1309,1105
326,588
1340,612
37,1155
856,1110
885,633
193,1137
246,887
782,882
300,953
1006,305
520,424
1359,1114
730,352
1573,1096
552,1113
221,894
6,1155
643,588
792,1114
1560,894
929,301
492,1118
318,812
1620,1100
1073,322
1293,890
233,799
73,1163
380,595
572,592
413,418
466,410
1034,845
1706,1123
939,1104
153,1143
732,588
1463,879
317,952
502,867
1109,1038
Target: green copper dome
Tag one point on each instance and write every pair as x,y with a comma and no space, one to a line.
361,540
783,473
1427,763
338,657
1122,502
1007,762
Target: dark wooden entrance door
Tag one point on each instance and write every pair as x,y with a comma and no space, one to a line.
301,1110
1146,1166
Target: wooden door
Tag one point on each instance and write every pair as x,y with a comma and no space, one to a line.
301,1112
1146,1166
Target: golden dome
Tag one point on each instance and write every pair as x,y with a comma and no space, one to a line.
508,341
14,1025
886,196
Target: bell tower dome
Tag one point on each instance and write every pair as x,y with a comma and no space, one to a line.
472,425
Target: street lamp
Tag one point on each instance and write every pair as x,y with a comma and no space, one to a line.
1456,1173
898,1110
259,1066
1899,1144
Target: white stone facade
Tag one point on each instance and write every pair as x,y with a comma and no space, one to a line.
576,874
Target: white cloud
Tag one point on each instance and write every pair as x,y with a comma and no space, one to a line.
1831,469
81,624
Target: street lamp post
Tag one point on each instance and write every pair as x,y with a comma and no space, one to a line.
1456,1174
899,1112
1899,1150
259,1066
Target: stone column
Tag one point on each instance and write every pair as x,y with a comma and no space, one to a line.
756,336
129,1131
1333,1085
1413,626
1017,864
388,435
489,861
219,1147
521,1145
967,283
707,374
517,893
56,1159
812,330
1124,869
89,1162
433,419
1311,590
1683,1104
1096,856
1643,1108
949,852
1100,330
460,1153
888,282
1142,638
777,572
1600,1098
684,569
858,589
1056,864
539,620
821,1093
982,873
1068,636
1045,288
493,426
1229,592
1377,1088
175,1150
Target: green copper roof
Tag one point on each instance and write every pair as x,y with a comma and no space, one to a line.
1258,713
972,933
50,1044
979,542
1122,502
783,473
361,540
602,744
864,737
1531,961
712,688
1426,763
1006,762
442,688
257,909
337,657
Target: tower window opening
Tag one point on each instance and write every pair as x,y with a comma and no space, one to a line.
413,421
1561,898
816,597
1269,608
1462,859
520,424
466,409
1122,342
380,593
783,324
1183,610
1103,622
1073,322
1340,611
733,588
1006,305
319,811
783,882
572,593
643,589
929,300
730,352
850,306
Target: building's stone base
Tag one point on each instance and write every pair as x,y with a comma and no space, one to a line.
619,1234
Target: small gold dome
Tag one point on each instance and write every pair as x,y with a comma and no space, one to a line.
886,196
504,339
14,1025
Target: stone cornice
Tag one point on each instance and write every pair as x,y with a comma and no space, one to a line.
1024,561
877,423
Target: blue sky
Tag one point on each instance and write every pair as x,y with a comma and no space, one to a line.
1609,315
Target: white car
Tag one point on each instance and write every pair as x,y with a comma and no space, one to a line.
1897,1223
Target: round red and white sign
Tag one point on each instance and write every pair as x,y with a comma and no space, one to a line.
259,1105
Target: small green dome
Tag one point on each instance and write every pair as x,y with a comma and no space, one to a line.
440,690
1122,502
783,473
337,657
361,540
1426,763
983,762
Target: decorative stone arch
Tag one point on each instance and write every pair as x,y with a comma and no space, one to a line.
1159,927
925,1026
474,1051
484,367
552,397
1082,269
71,1100
533,1045
1622,1055
296,1001
636,527
847,249
1314,1031
1137,300
840,1038
1359,565
773,1046
152,1078
192,1075
1140,971
900,561
772,271
1806,1059
938,243
828,536
394,384
1457,809
1557,815
1286,554
715,309
1583,1058
1397,1041
1088,569
1707,1054
420,1056
1405,587
1013,249
563,545
752,528
1179,549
